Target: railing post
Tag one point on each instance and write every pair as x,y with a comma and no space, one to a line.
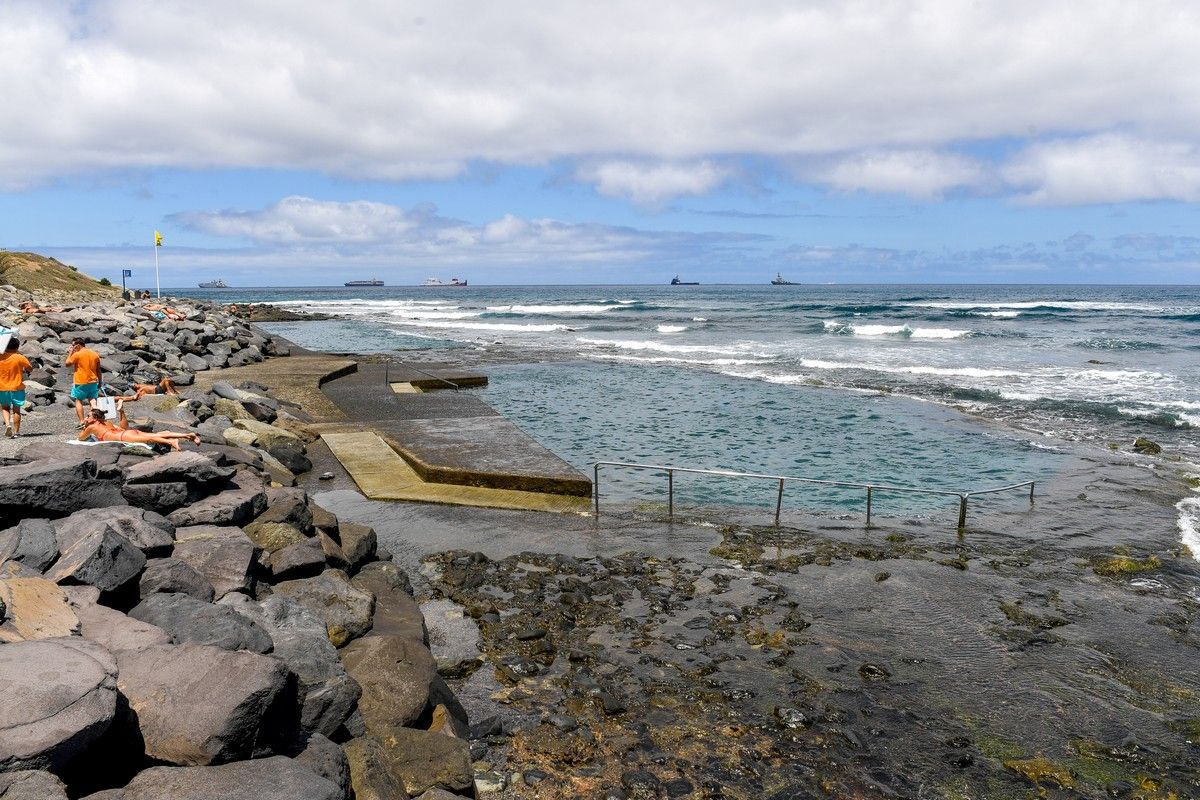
779,503
671,493
596,486
868,506
962,511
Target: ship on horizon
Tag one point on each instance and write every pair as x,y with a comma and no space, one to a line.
438,282
782,281
217,284
371,282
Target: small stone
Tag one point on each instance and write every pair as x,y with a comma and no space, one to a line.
491,781
325,476
679,787
529,634
873,672
1146,446
791,717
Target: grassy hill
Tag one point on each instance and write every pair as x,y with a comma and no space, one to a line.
36,273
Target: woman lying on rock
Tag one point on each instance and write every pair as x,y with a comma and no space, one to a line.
97,429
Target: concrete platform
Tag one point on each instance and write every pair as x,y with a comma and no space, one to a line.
449,436
381,474
483,451
427,443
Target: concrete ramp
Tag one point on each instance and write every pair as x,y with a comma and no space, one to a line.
381,474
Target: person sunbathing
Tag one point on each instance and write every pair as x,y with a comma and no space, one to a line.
166,311
140,390
29,307
97,428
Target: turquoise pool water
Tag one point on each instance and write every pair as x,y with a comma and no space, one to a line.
589,412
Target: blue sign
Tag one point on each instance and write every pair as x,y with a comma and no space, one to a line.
126,273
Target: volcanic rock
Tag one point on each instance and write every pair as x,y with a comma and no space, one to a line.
186,619
56,697
199,705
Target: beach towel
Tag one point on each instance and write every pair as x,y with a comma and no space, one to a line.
119,444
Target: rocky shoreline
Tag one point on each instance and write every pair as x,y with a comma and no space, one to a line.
199,625
192,624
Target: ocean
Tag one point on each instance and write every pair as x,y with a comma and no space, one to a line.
956,386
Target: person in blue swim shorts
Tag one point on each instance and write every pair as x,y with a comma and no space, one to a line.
13,367
87,376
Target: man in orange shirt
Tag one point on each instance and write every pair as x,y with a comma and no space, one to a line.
87,376
13,367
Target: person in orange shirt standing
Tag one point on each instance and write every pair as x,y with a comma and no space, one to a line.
87,376
13,367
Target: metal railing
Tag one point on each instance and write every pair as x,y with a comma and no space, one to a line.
869,488
387,367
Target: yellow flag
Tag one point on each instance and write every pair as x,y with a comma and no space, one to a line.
157,239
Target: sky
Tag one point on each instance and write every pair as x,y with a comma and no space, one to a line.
308,143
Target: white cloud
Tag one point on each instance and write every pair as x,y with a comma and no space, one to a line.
322,232
652,183
375,90
302,219
920,173
1110,168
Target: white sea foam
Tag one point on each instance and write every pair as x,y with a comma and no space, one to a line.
715,362
905,330
1074,305
1001,314
1189,524
671,328
699,319
626,344
962,372
565,308
483,326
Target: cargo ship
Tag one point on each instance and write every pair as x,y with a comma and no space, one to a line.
372,282
217,284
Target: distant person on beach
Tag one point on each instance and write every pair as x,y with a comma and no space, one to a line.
13,367
29,307
140,390
87,376
97,428
145,294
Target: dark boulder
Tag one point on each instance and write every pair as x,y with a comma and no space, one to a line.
31,785
195,469
30,542
223,555
54,488
148,531
231,507
186,619
57,696
345,610
100,558
276,778
199,705
174,575
328,695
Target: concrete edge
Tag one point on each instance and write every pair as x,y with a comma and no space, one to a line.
431,473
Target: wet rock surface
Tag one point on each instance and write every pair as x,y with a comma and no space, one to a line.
825,660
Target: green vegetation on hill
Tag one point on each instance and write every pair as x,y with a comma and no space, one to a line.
35,273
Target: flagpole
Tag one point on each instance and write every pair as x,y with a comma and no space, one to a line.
157,285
